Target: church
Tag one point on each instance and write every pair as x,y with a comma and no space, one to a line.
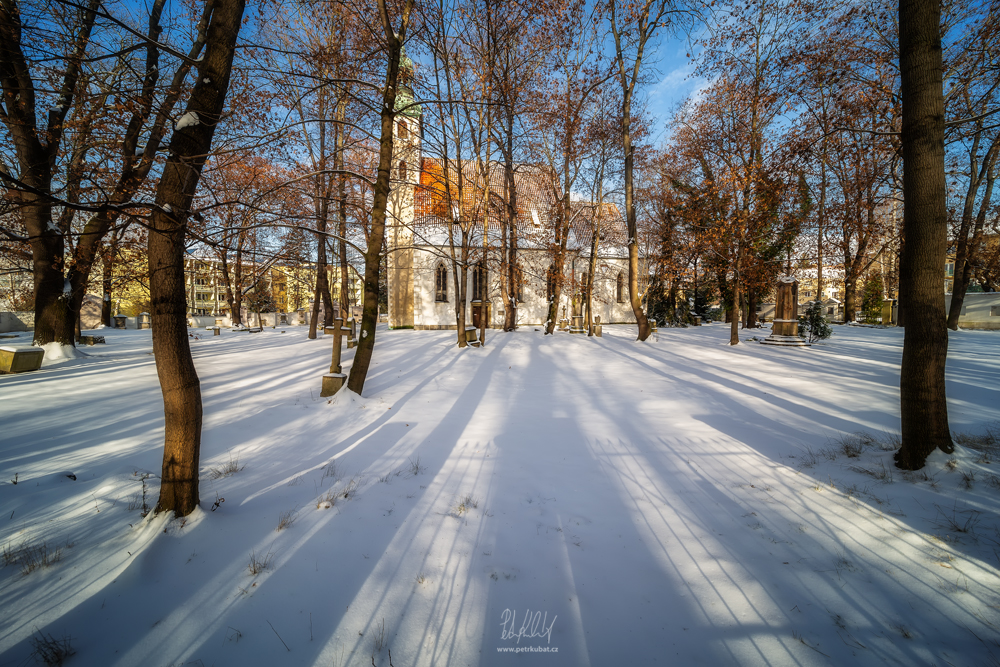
435,218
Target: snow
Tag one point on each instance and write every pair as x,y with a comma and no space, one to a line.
57,352
189,119
679,502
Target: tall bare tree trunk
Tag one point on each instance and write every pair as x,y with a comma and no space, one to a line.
923,402
37,149
189,147
376,237
967,249
107,280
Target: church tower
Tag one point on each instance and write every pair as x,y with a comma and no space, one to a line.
406,158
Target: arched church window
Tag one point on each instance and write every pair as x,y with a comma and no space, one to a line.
441,283
402,130
620,288
402,170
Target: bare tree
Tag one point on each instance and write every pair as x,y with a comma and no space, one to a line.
394,40
922,397
188,150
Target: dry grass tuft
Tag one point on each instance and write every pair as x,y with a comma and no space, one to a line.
259,563
226,469
286,519
30,557
50,651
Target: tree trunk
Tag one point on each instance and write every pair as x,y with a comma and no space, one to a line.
734,330
369,313
342,210
968,249
513,270
188,150
850,296
107,280
923,402
734,314
635,299
558,266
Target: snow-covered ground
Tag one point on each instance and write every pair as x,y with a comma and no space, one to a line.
673,502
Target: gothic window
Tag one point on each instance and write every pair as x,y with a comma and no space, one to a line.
402,170
402,130
620,288
441,283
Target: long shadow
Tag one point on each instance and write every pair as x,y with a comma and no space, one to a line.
218,595
262,430
705,500
425,539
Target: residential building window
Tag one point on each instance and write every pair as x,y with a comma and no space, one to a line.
949,269
620,288
441,283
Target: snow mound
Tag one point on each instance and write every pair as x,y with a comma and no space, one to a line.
57,352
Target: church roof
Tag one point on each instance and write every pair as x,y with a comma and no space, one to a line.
483,197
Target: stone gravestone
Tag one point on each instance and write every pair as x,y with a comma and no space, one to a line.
334,380
785,325
352,335
90,312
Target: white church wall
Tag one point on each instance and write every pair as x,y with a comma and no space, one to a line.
427,313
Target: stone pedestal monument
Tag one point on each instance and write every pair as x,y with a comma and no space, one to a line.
785,327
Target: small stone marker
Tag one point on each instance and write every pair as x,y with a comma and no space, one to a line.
597,327
332,382
216,331
20,359
120,321
144,320
888,312
470,336
91,340
577,327
352,333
